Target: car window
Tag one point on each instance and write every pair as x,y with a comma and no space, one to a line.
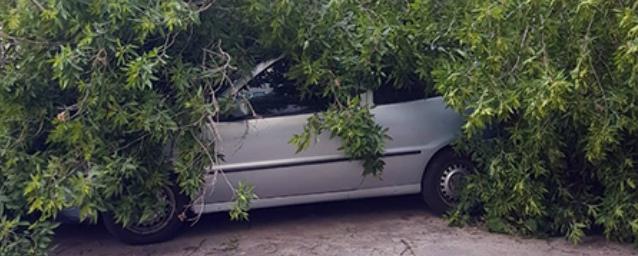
271,93
388,94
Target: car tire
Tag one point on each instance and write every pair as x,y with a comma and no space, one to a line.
442,180
157,230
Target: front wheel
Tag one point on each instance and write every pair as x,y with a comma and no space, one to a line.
443,180
163,226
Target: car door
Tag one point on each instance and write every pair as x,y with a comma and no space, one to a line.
418,128
256,148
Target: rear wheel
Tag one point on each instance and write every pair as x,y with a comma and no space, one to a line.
164,225
443,180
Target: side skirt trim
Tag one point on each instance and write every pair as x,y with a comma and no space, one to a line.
314,198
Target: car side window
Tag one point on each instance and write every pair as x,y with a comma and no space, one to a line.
272,94
388,94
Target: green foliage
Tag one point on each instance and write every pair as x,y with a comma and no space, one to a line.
361,138
19,237
341,47
559,80
94,97
243,196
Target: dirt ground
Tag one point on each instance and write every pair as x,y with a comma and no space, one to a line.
381,226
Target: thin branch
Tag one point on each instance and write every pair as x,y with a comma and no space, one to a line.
39,5
203,5
6,36
131,143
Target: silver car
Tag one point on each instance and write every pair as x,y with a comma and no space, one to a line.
256,151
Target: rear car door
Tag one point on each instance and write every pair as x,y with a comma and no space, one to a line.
418,129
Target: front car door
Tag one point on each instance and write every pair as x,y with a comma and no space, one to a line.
256,149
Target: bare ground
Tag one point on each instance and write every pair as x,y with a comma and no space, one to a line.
381,226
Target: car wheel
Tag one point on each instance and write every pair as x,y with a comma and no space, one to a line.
162,227
443,179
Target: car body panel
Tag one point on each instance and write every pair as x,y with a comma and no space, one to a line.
314,198
418,130
426,125
257,152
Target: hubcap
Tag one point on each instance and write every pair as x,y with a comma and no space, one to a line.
160,219
451,182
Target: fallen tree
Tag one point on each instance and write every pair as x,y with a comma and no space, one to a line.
92,92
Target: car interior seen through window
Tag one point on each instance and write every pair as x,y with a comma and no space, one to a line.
271,93
388,94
